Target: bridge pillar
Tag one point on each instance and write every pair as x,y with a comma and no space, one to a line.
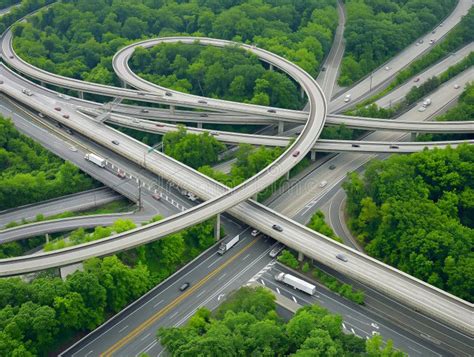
255,197
281,127
271,67
199,125
287,175
301,92
42,84
300,256
172,109
81,94
413,136
217,227
47,237
313,155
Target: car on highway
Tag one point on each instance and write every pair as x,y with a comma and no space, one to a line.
296,153
347,98
159,125
73,149
203,115
394,147
215,133
417,79
332,167
342,257
69,131
60,95
323,183
135,120
323,69
201,101
11,56
41,115
355,145
115,142
421,109
255,233
57,109
432,41
66,116
121,174
184,286
456,86
141,93
434,31
276,250
27,92
387,68
144,111
277,228
168,94
156,196
271,111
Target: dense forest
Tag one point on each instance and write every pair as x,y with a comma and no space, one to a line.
36,317
416,212
29,173
229,73
7,3
247,324
77,38
377,29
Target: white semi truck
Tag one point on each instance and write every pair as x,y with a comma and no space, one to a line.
296,283
95,159
227,244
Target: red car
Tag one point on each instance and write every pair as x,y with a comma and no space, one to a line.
296,153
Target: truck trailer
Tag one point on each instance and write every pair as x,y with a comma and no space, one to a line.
95,159
296,283
227,244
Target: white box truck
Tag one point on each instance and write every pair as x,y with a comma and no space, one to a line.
95,159
227,244
296,283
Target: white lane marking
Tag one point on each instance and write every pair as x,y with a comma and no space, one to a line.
123,328
145,337
214,262
88,353
263,282
344,326
221,277
171,316
158,303
352,330
248,255
202,292
294,299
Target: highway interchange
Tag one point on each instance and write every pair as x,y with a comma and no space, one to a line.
151,161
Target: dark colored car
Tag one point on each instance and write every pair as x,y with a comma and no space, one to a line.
393,146
58,109
144,111
115,142
271,111
296,153
200,101
341,257
332,167
168,94
355,145
66,116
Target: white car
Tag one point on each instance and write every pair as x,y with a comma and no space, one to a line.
276,250
323,183
73,149
456,86
255,233
387,68
421,109
347,98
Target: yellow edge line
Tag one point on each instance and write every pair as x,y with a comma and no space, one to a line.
119,344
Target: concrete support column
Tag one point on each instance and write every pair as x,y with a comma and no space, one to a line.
281,127
255,197
313,155
172,108
413,136
300,256
81,94
47,237
199,125
271,67
42,84
217,228
301,92
287,175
